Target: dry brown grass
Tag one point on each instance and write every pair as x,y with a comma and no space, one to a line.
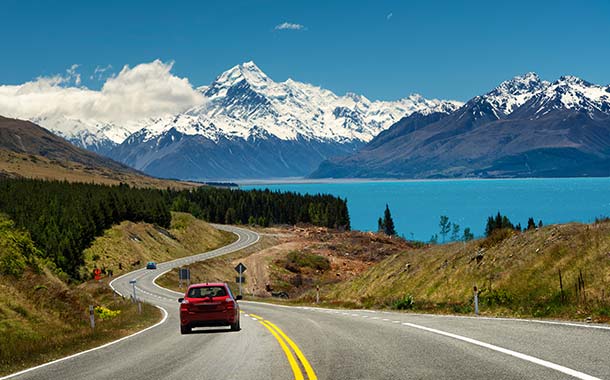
21,165
270,267
517,275
220,269
42,319
129,243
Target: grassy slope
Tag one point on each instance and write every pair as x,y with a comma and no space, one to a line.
130,242
517,274
17,165
42,318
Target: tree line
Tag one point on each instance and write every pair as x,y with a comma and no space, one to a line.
499,222
64,218
262,207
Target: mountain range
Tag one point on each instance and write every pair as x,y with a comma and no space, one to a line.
247,126
526,127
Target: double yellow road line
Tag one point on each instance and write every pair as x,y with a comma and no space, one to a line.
287,344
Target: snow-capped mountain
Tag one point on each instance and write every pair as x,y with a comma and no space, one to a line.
513,93
86,134
571,93
249,126
525,127
244,101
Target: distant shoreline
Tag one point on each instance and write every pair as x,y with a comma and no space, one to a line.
313,181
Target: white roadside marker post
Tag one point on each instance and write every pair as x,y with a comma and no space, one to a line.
133,283
317,294
91,317
476,301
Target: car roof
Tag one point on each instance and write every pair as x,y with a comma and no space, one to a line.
204,284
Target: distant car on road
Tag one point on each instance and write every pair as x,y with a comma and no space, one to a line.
209,304
151,265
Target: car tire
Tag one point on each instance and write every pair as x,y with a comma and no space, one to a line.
185,330
235,326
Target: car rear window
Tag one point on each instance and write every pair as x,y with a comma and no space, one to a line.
207,291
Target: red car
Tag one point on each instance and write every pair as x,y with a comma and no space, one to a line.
209,304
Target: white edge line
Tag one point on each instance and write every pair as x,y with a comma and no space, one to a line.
154,282
91,349
559,323
532,359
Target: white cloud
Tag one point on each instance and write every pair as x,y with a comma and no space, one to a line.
146,90
290,26
73,75
100,72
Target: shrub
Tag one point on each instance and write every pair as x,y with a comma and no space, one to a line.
105,313
405,303
298,259
496,297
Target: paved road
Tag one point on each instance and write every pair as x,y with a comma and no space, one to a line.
278,342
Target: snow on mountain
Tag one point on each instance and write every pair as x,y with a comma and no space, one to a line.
243,101
513,93
573,93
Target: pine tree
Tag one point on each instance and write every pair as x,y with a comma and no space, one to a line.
445,226
388,222
455,232
468,236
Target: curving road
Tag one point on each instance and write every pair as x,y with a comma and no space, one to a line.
280,342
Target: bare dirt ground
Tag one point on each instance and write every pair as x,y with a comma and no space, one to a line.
304,257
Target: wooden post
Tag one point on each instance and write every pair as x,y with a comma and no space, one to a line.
561,287
584,292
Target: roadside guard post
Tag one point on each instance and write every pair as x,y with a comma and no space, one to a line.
240,268
184,274
92,317
476,301
133,283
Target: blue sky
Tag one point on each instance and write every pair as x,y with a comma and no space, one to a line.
382,49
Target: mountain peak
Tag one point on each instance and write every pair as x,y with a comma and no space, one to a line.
247,71
572,80
513,93
573,93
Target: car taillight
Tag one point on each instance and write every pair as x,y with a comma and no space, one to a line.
184,305
230,304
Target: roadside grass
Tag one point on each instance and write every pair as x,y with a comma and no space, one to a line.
219,269
43,319
129,245
517,275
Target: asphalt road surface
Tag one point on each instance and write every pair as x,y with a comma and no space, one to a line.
279,342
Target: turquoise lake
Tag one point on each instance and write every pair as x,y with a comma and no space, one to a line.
416,206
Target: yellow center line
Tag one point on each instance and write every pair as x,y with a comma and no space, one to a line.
277,333
311,375
298,375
